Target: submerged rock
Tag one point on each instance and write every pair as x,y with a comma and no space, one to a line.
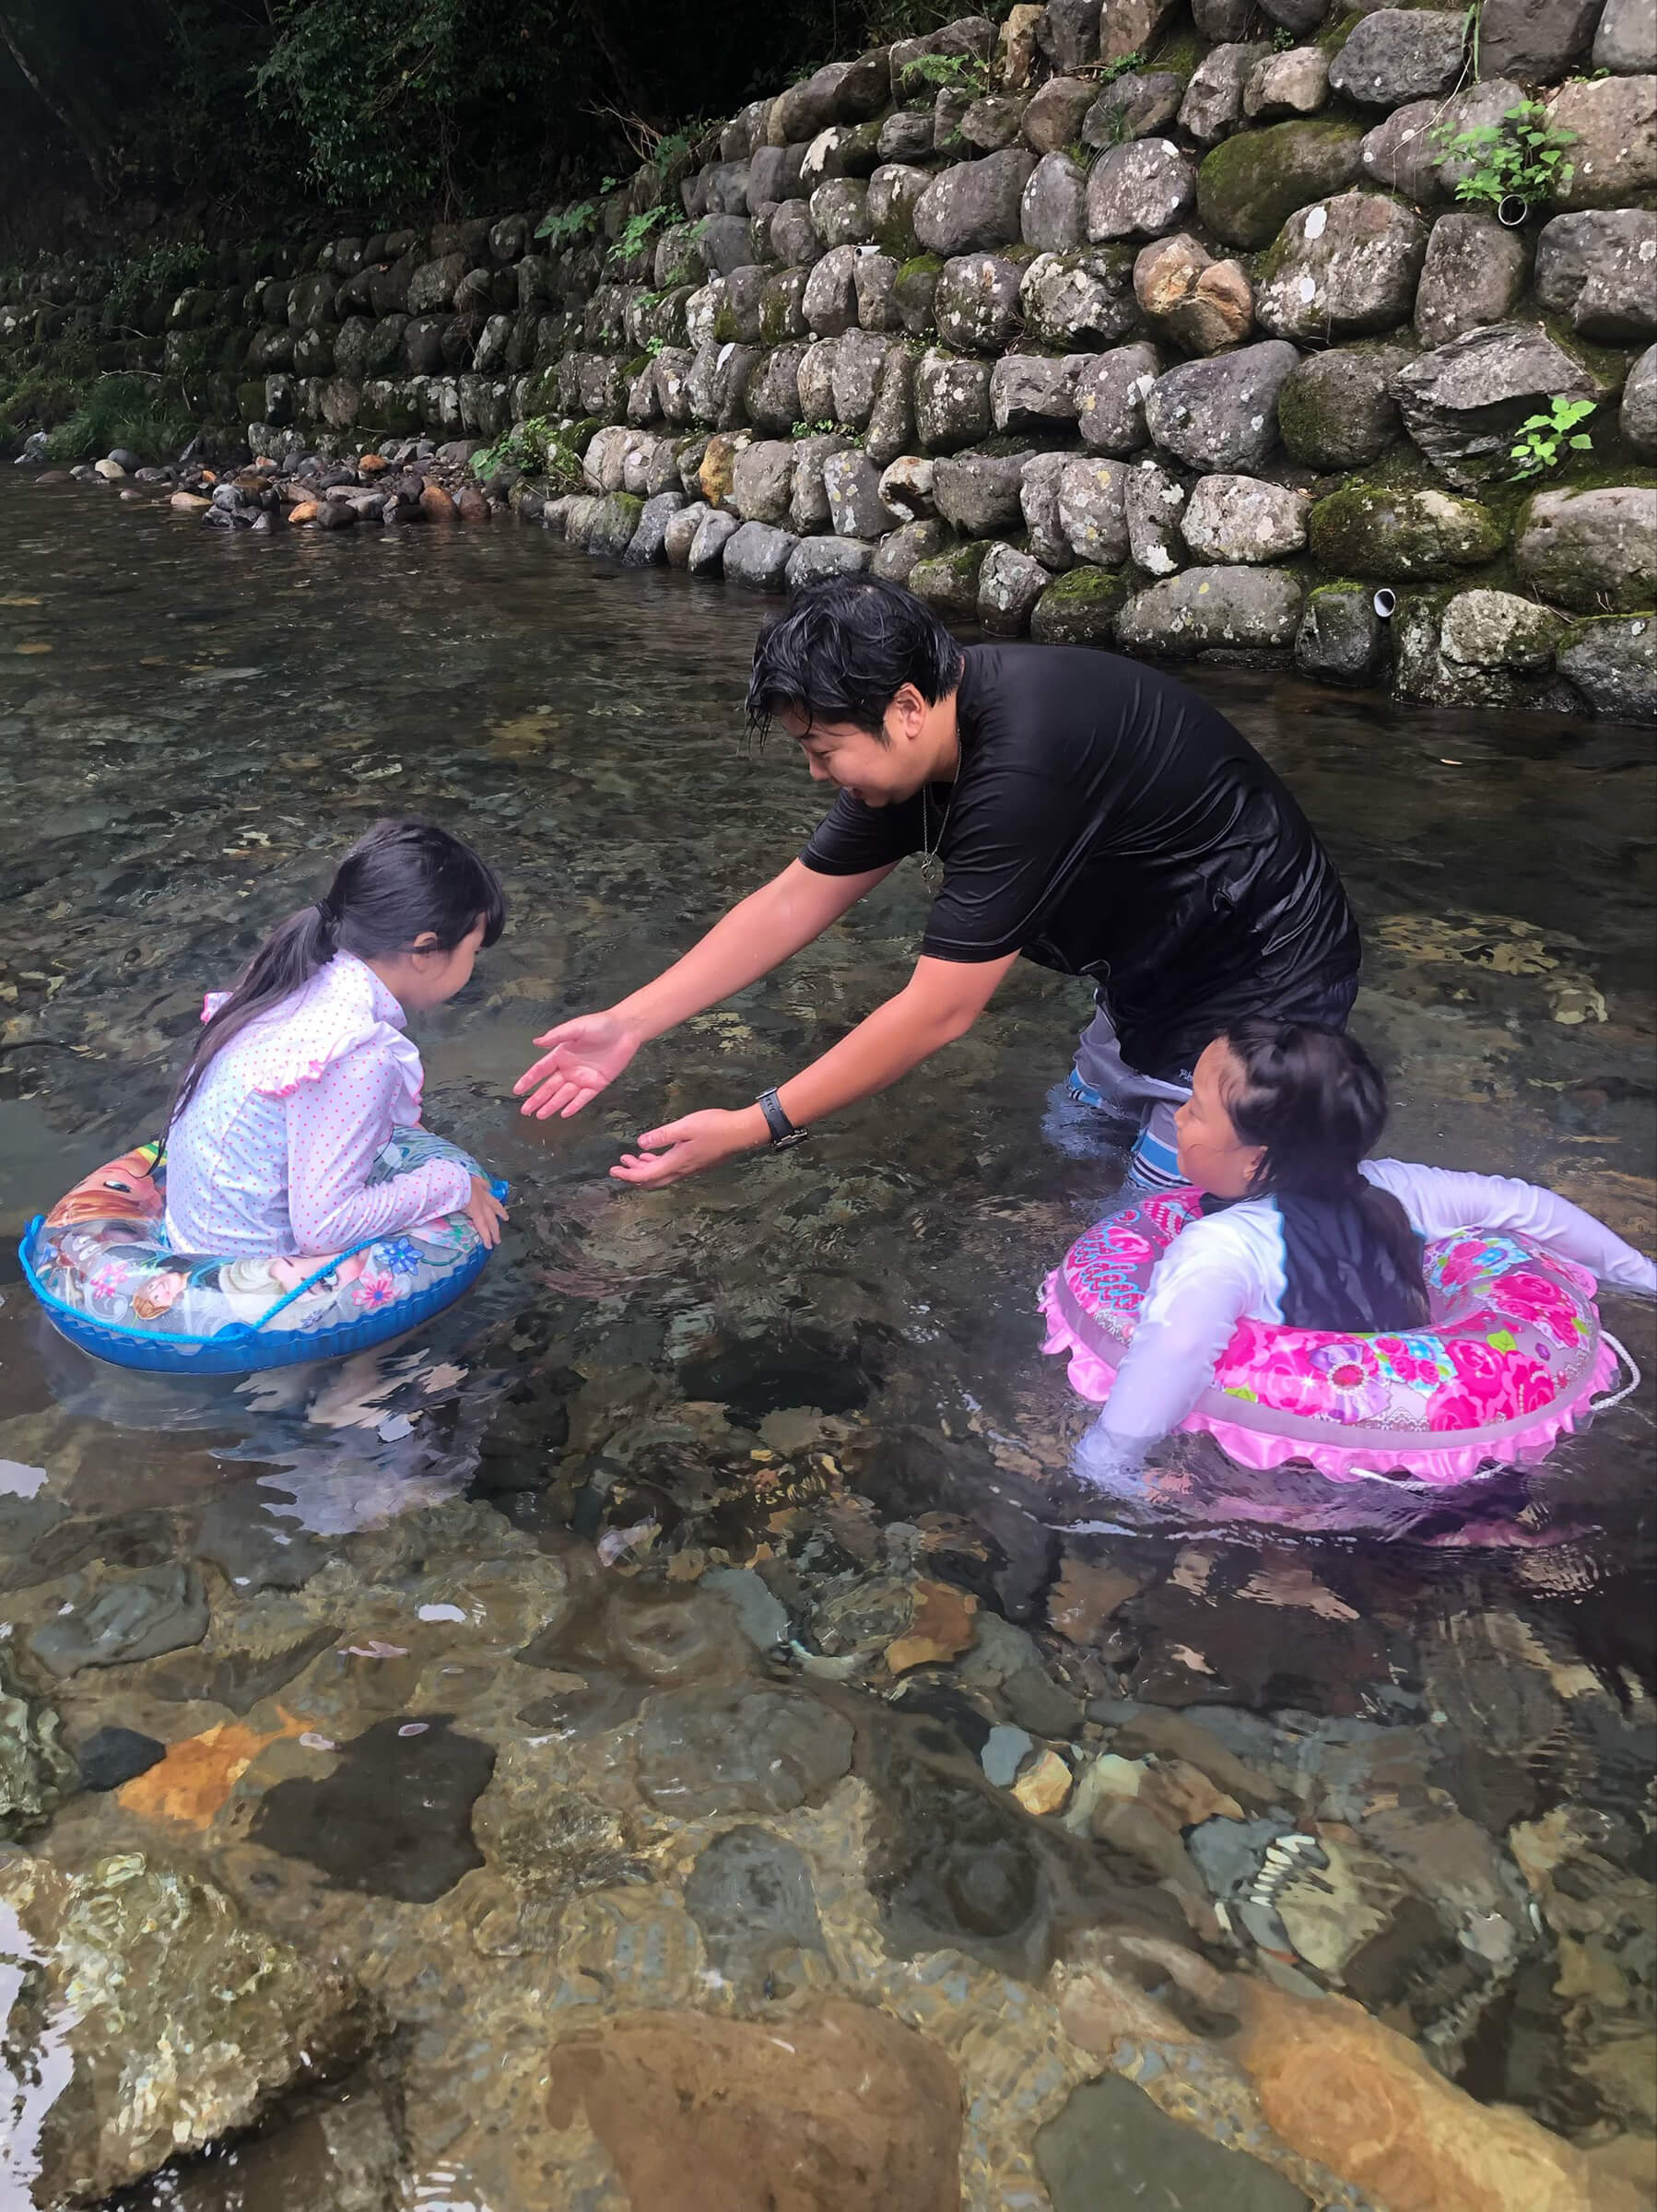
1213,608
1109,2136
750,1894
135,1616
181,2022
750,1749
35,1769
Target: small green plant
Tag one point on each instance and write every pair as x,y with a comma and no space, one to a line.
1543,440
127,409
812,430
1282,40
564,225
1521,158
1107,73
635,234
654,347
535,447
948,73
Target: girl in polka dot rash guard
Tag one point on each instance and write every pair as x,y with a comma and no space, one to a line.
303,1072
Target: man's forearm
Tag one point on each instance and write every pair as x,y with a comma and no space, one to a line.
758,934
895,1038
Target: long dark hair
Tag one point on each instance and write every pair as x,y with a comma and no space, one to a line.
1317,1103
400,881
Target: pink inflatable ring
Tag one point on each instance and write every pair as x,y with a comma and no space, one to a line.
1515,1357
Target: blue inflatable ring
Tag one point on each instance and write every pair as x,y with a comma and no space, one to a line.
102,1269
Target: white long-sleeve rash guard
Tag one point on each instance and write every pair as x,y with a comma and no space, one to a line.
1230,1266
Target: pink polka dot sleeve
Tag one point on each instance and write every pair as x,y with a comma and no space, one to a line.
337,1126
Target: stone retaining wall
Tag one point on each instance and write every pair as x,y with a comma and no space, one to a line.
1149,330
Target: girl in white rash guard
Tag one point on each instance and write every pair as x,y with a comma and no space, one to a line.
1303,1229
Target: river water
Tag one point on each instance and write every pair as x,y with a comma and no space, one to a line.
467,1710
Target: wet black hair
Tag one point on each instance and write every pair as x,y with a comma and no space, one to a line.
1317,1103
842,650
399,881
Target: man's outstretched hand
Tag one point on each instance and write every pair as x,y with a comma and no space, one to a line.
688,1146
586,1054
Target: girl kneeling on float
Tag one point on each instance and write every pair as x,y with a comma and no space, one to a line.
1302,1301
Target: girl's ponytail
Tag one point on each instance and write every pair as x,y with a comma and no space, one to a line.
401,881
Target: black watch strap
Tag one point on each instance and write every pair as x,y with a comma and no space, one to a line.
783,1133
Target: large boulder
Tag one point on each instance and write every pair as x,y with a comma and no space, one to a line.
1623,42
974,205
1133,107
1613,156
894,190
616,524
1109,398
976,304
815,557
854,381
1092,511
1296,83
1593,551
978,493
1202,304
1341,268
891,428
1206,610
1155,501
816,380
906,488
839,212
947,581
875,280
1243,519
1068,33
1484,629
1080,610
1222,412
1472,274
1139,190
1403,536
794,239
1335,410
762,481
1341,640
161,2017
1009,584
1462,403
1039,497
1035,391
1536,40
1400,54
757,554
783,307
1053,209
809,499
1636,418
1613,666
1212,105
1601,270
773,393
1079,300
1053,116
828,297
852,482
648,545
1410,151
951,401
897,557
706,554
1249,186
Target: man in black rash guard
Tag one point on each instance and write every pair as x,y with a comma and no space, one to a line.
1083,810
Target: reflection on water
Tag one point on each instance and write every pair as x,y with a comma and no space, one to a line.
467,1715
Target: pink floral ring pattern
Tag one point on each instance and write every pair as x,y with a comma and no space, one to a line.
1513,1357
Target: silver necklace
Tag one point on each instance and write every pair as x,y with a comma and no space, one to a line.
932,864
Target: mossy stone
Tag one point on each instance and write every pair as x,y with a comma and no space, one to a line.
1251,185
1079,608
1367,529
949,583
613,526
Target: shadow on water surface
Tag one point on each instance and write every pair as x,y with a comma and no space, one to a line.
662,1633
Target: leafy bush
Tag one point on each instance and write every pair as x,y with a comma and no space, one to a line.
948,73
1543,440
142,412
537,448
1522,158
564,226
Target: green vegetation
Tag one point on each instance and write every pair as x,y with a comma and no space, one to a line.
948,73
145,412
568,226
536,448
1522,158
1543,440
1107,73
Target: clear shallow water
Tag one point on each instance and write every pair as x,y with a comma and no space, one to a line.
825,1364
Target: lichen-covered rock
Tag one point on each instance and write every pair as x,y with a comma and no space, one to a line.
783,307
179,2022
1053,209
1092,512
976,204
1202,304
1054,115
852,483
613,526
1623,42
762,481
1250,185
839,212
1135,106
1068,33
706,555
1230,519
951,400
1341,639
1139,190
1111,395
648,545
1600,269
854,380
807,499
1613,156
1399,53
1613,666
1335,410
1009,583
757,554
906,489
1636,418
1473,275
1206,610
1213,102
875,280
1222,412
976,304
1296,83
1038,499
992,122
914,292
1035,391
894,190
680,534
891,428
773,393
815,557
1464,403
827,298
1410,151
1341,268
1154,501
897,557
905,136
1080,609
1129,28
1500,629
1536,38
949,581
717,385
431,287
1400,535
816,380
978,493
1594,551
1077,301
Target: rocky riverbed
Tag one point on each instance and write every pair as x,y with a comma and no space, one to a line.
664,1739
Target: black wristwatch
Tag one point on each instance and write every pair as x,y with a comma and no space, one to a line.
785,1135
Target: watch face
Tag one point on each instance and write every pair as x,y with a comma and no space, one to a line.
786,1143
